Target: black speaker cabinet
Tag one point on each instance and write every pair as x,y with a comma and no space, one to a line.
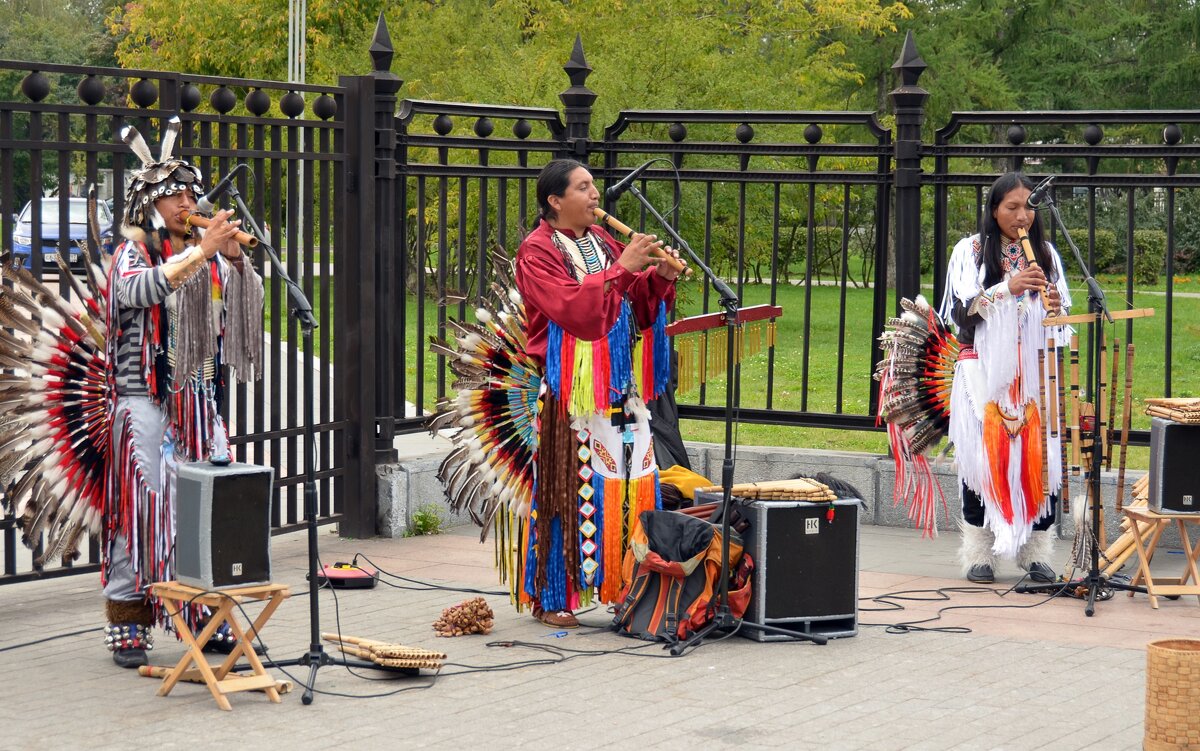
223,525
806,567
1174,479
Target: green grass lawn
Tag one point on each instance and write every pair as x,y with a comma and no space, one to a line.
823,358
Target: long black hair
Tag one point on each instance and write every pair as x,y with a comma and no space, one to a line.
554,180
989,231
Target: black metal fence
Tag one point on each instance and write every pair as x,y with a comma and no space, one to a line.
60,135
779,197
386,208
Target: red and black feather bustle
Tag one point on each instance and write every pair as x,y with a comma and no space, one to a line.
54,397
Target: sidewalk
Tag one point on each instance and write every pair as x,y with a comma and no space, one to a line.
1033,674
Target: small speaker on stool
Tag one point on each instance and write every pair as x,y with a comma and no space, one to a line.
805,567
1174,481
223,525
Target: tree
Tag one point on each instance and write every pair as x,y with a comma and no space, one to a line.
673,53
69,33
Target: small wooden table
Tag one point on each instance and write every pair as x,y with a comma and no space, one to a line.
1149,525
225,605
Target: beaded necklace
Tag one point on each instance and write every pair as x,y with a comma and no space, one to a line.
583,256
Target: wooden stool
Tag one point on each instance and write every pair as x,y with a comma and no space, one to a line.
1149,525
224,604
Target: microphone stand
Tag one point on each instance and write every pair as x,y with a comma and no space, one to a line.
1097,306
316,656
723,618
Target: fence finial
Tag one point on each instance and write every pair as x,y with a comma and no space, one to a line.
909,64
381,47
577,68
577,100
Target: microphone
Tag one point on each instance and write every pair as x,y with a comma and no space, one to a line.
1039,194
615,191
207,202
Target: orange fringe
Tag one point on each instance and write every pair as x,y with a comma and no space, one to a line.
1031,457
995,444
619,523
996,440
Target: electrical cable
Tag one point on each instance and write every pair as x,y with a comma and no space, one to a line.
893,601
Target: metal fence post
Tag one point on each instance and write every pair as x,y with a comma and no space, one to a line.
908,101
363,241
387,243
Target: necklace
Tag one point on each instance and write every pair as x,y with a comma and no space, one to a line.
1012,256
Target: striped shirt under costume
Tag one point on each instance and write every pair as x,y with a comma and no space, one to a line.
162,416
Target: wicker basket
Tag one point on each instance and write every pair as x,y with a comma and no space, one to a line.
1172,694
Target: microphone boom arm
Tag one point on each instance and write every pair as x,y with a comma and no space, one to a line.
301,307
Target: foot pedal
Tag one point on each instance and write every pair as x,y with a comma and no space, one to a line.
347,576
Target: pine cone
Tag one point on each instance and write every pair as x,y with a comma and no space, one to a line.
468,617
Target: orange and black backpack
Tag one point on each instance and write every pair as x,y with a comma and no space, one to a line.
671,571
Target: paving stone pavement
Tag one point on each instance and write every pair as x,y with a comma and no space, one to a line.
1037,674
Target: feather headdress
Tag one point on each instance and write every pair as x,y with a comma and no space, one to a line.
165,176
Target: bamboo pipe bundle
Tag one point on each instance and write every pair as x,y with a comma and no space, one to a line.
1098,404
1045,415
1122,548
385,654
1126,419
799,489
1064,493
1087,413
1075,404
414,663
1141,487
1186,411
1112,405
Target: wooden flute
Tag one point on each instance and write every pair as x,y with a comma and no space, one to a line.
1032,258
624,229
199,220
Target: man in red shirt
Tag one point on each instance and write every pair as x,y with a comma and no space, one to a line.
596,314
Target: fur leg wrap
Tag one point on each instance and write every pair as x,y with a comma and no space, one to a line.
133,611
1037,549
976,547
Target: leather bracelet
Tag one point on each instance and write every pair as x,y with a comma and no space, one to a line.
184,271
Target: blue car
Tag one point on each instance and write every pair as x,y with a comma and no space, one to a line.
77,226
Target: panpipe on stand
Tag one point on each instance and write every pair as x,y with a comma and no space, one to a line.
701,341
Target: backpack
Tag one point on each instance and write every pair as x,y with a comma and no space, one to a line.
671,571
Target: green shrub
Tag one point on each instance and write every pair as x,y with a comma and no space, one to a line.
427,519
1110,257
1149,255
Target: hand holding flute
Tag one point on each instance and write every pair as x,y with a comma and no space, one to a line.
645,249
1033,279
222,231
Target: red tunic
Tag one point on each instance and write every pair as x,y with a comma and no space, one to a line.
585,310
